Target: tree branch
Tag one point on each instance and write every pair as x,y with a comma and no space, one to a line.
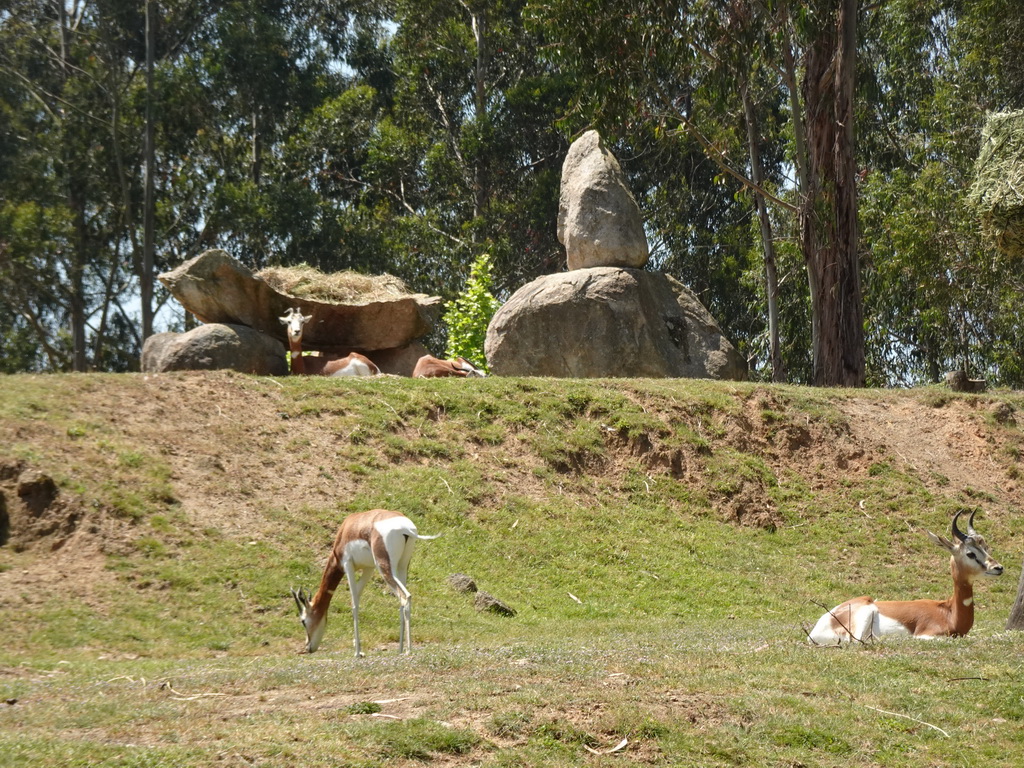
718,158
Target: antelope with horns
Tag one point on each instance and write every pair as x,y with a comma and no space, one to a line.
863,618
378,538
353,364
430,367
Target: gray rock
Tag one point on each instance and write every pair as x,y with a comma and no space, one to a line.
488,602
958,382
460,582
5,520
608,322
1003,414
399,362
598,219
37,491
212,347
218,289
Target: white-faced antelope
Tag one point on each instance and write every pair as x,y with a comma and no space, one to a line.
864,619
353,364
430,367
378,538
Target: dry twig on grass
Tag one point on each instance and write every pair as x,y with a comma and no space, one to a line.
908,717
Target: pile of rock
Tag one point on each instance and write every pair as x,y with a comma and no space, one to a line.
242,330
606,316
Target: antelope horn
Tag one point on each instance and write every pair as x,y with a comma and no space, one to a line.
970,523
957,533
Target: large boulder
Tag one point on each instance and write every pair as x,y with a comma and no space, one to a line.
218,289
609,322
598,220
212,347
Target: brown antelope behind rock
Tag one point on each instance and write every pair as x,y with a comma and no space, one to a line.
863,618
430,367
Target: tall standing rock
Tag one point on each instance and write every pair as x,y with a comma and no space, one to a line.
598,220
606,316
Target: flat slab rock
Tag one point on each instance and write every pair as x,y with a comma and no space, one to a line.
216,288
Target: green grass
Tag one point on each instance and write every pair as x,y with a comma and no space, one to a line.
592,508
715,695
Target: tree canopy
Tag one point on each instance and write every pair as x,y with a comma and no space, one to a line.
417,137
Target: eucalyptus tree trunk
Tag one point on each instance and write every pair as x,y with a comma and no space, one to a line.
75,200
480,180
149,203
828,207
767,239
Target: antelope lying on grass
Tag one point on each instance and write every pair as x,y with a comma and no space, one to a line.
378,538
430,367
863,618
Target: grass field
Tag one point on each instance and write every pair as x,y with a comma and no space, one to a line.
664,544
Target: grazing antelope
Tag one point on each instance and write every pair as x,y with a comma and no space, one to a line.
353,364
863,618
430,367
378,538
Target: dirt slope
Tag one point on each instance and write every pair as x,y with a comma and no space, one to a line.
233,450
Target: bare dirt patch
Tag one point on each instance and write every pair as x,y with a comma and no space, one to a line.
942,445
77,539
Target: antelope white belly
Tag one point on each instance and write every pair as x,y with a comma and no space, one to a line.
355,368
887,626
359,554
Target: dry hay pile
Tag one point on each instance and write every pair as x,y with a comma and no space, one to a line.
998,189
305,282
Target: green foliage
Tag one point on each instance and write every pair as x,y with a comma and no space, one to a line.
391,137
936,295
417,739
468,316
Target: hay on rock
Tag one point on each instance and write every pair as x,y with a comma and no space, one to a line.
998,189
305,282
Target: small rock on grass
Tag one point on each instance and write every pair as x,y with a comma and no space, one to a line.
460,582
488,602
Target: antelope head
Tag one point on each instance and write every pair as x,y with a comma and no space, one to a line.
314,627
294,320
471,371
969,550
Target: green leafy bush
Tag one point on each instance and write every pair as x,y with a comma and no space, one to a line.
468,316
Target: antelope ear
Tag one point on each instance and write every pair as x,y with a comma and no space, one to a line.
284,320
942,541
